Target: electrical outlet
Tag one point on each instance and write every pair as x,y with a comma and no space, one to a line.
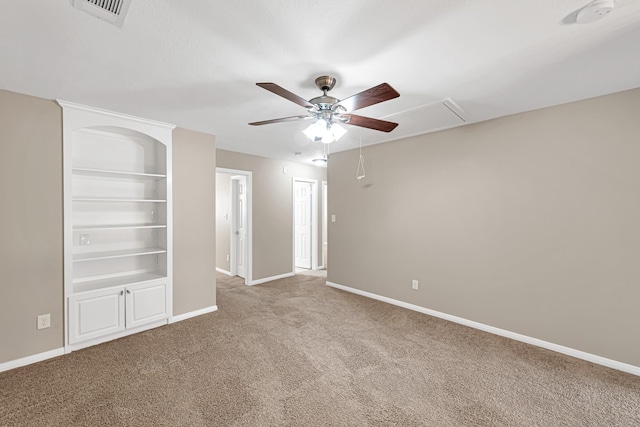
44,321
414,285
227,257
84,240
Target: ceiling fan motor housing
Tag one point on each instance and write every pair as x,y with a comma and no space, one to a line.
325,83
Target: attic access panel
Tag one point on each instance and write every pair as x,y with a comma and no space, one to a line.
428,118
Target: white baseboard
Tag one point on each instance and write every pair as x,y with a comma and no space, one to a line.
12,364
635,370
269,279
191,314
219,270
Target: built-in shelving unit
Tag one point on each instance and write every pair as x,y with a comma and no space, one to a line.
118,232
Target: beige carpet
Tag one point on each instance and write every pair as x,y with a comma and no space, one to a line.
296,352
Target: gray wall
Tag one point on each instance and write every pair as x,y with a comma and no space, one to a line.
272,208
31,224
194,238
223,220
527,223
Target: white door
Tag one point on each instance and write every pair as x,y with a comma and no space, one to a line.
239,225
302,223
324,224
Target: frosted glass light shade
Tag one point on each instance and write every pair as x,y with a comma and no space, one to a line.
324,132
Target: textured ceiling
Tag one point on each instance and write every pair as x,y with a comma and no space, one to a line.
195,63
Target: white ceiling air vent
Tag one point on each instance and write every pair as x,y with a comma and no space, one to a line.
113,11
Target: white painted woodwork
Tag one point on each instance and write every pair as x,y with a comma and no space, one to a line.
239,224
96,314
325,216
302,223
145,303
118,223
248,253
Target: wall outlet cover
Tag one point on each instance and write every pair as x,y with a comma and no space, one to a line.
44,321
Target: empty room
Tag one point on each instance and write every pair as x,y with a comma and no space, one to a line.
331,213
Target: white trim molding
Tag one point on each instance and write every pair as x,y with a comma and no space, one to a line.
269,279
219,270
191,314
635,370
35,358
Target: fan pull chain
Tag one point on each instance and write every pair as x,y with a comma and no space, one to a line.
360,172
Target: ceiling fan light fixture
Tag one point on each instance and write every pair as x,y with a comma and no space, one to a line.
337,131
325,132
320,161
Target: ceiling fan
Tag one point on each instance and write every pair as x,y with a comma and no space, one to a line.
328,110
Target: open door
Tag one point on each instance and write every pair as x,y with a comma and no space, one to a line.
302,194
239,226
305,223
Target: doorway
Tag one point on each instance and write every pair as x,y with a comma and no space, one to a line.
237,238
325,210
305,224
239,226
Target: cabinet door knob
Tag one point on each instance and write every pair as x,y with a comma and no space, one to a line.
128,291
121,292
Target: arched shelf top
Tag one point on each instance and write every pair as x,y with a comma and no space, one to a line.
77,117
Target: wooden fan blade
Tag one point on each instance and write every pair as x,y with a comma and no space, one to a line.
283,119
279,90
382,92
368,122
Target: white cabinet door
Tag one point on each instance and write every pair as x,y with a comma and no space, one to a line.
96,314
146,303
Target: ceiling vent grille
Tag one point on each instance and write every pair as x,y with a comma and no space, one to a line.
113,11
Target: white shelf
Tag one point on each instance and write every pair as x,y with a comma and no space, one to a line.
93,256
88,284
117,192
109,200
118,227
116,174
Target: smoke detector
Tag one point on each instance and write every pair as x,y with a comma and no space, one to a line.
112,11
594,11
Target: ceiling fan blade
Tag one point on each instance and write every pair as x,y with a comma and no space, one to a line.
283,119
279,90
368,122
382,92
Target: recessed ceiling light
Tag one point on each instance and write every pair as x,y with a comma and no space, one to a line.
594,11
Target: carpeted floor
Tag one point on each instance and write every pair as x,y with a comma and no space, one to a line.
296,352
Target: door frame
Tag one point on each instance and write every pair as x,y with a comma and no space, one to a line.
324,221
248,256
314,222
233,237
